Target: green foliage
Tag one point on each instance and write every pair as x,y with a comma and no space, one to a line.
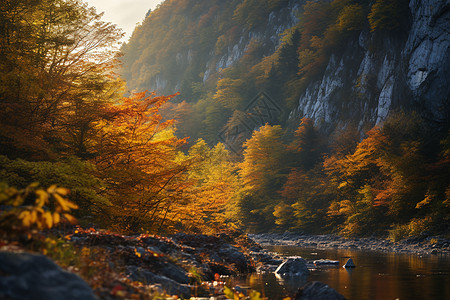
386,178
213,116
251,13
395,181
308,145
263,172
172,30
172,50
61,122
229,93
414,228
309,195
76,175
62,251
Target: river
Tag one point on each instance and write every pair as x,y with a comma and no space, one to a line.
378,275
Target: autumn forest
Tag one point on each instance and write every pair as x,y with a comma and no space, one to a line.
77,146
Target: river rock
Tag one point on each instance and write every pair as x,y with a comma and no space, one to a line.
33,277
292,267
168,285
349,264
326,262
174,272
316,290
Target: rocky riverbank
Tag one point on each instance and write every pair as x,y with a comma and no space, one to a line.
93,264
122,267
421,245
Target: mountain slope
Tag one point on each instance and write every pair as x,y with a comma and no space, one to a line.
339,62
386,70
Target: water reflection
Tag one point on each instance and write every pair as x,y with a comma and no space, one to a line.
292,283
376,276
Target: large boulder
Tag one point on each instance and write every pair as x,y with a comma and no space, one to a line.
292,267
33,277
316,290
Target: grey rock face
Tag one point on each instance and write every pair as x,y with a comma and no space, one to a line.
362,84
316,290
269,36
427,56
35,277
375,73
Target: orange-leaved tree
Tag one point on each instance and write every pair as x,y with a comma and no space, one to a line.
358,175
382,181
137,155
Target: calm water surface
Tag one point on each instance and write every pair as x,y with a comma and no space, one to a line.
376,276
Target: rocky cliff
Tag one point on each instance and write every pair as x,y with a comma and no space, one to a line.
376,74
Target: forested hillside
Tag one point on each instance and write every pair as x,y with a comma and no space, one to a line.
192,46
336,111
71,144
337,62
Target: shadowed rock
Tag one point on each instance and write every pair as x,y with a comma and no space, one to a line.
168,285
349,264
33,277
292,267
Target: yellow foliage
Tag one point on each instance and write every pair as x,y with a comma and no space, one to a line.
235,295
38,215
343,184
351,17
139,158
346,207
429,196
229,92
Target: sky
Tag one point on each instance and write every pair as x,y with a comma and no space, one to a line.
124,13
